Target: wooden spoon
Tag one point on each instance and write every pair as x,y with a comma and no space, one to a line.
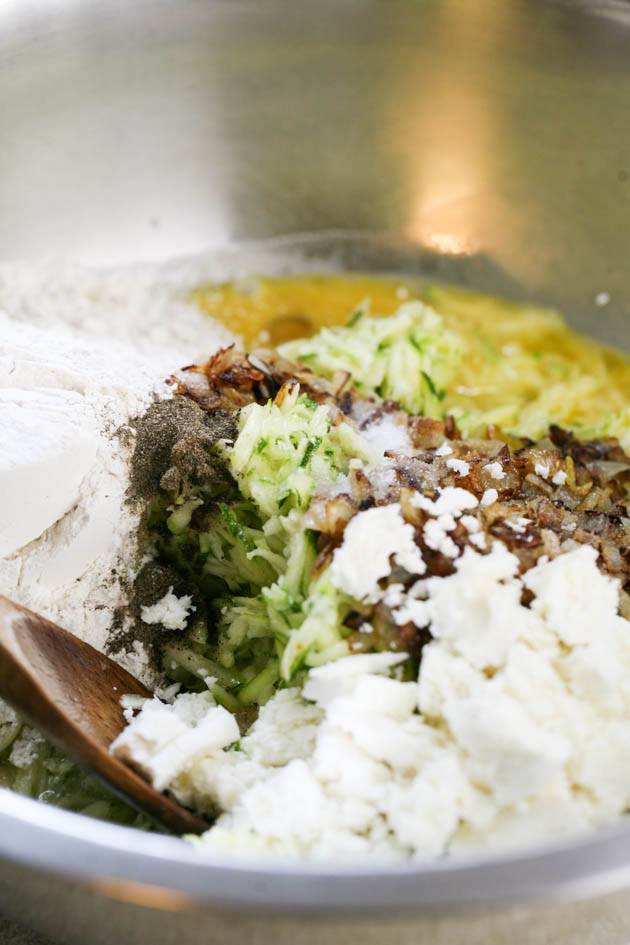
71,693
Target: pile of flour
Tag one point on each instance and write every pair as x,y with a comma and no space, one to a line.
81,353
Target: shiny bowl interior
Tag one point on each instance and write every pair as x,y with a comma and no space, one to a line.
485,144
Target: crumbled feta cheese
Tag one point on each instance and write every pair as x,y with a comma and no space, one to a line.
471,524
132,702
573,581
325,682
446,522
508,752
412,611
460,466
445,449
495,469
384,534
602,299
417,589
489,497
476,609
560,478
518,523
286,728
167,693
436,537
171,611
394,595
542,470
162,744
516,729
450,501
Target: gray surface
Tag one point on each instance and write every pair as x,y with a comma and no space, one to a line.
11,934
493,129
143,914
494,137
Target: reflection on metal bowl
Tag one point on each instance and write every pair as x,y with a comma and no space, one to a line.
486,143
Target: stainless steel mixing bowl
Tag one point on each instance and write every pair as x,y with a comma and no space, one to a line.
481,141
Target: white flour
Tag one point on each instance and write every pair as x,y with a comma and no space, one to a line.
81,352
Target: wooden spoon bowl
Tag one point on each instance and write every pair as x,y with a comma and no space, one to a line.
71,693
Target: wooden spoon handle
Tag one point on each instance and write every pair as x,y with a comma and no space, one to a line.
71,693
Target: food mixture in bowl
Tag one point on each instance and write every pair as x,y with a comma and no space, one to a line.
376,568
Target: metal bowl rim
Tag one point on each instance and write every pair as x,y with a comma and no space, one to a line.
58,841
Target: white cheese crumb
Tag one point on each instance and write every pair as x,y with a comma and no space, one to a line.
518,523
171,611
413,611
479,541
394,595
167,693
542,470
495,469
516,729
370,540
470,523
573,580
445,449
163,741
489,497
475,608
602,299
460,466
560,478
436,535
450,501
135,703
